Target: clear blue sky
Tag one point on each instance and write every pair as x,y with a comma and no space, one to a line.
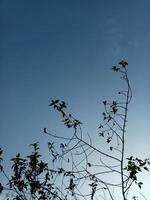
65,49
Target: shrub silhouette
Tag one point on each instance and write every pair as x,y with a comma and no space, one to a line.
78,168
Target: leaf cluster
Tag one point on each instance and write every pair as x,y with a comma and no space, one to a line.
31,178
122,64
134,167
68,119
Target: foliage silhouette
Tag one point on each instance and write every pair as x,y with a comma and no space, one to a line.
79,169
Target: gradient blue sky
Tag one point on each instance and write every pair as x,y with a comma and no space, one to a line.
65,49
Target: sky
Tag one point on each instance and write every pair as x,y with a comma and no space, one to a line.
65,50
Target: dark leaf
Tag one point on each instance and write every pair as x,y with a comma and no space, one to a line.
140,184
104,102
123,63
111,148
101,126
52,103
101,134
116,69
1,188
1,168
146,168
89,164
45,130
108,140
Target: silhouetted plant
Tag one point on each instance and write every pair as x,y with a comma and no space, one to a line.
79,167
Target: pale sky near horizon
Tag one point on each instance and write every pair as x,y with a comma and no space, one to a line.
65,49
